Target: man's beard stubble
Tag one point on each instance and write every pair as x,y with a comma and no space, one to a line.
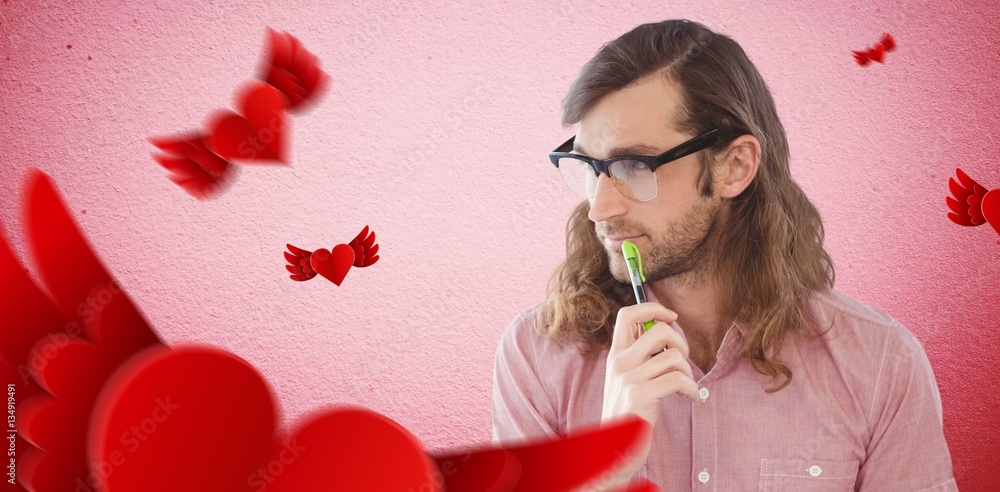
687,248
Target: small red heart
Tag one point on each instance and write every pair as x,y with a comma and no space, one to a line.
991,208
257,135
334,266
877,53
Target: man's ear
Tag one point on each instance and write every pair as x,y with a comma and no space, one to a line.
737,166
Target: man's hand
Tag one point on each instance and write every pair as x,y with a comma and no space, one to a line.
643,369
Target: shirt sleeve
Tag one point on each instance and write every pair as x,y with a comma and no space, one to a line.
907,451
522,409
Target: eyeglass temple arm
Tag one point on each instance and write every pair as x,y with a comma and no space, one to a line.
566,146
702,141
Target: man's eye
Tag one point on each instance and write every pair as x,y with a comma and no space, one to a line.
635,166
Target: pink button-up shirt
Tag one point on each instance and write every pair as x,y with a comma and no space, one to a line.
862,412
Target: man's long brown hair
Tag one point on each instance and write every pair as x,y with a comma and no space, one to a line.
770,245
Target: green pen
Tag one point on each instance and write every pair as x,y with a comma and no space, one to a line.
634,263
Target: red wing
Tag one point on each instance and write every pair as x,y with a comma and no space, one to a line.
556,464
966,206
292,69
298,263
365,249
67,340
194,167
29,315
888,42
861,58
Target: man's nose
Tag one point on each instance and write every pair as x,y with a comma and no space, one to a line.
607,202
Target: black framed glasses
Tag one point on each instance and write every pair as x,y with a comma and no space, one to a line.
632,174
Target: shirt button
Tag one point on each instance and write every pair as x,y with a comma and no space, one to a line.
815,471
703,476
703,393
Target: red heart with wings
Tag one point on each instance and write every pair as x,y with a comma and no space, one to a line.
877,52
360,252
198,163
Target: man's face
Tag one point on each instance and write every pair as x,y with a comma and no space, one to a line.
672,229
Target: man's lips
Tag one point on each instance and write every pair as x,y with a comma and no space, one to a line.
615,242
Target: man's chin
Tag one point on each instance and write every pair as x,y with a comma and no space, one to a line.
616,264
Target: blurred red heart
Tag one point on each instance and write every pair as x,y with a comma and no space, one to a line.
334,266
349,449
991,208
257,134
877,53
201,419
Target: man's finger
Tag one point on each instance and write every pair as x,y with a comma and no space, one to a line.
662,363
630,316
659,338
675,382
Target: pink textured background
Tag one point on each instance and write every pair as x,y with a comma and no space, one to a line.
466,243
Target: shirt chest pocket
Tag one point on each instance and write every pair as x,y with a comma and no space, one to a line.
784,475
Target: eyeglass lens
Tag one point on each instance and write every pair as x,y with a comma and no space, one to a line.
632,178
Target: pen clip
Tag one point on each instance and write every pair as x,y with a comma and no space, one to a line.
631,252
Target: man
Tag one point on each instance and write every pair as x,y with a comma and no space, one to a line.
756,374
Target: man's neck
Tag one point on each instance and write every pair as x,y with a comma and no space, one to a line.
692,296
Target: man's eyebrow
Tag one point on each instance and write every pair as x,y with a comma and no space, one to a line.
635,149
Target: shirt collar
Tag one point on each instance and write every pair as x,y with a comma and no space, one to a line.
740,327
